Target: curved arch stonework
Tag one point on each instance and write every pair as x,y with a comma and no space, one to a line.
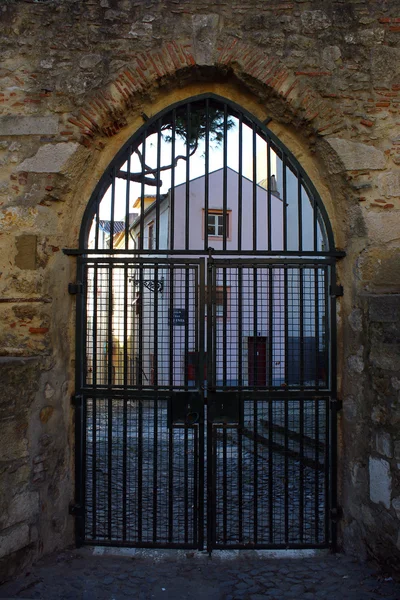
105,113
331,86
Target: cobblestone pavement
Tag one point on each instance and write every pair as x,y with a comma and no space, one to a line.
101,574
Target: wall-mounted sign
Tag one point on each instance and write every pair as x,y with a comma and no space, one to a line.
179,316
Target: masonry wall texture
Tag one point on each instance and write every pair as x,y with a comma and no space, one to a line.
75,77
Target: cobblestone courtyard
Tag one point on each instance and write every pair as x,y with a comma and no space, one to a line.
113,574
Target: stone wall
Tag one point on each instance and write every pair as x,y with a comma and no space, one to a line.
75,77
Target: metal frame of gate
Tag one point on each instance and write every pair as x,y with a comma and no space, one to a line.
217,463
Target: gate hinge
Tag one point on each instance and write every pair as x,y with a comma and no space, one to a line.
336,291
76,509
336,514
75,288
336,404
76,400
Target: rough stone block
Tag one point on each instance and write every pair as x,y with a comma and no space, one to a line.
13,443
26,252
397,450
50,158
383,227
396,506
384,308
384,444
356,156
11,125
20,508
386,356
13,540
380,481
389,184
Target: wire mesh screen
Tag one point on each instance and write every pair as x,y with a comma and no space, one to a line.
272,475
142,325
141,474
270,327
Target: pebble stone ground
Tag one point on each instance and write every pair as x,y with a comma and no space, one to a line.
100,574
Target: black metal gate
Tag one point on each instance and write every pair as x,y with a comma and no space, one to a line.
206,408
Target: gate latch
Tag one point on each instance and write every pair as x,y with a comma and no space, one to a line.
336,514
75,288
75,509
336,291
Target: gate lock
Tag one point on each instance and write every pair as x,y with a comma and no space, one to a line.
185,408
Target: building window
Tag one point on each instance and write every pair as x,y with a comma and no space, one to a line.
215,223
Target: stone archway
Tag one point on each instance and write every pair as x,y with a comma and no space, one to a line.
63,144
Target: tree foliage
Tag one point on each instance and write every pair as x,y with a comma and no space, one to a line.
191,126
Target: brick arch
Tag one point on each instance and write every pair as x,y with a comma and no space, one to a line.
105,114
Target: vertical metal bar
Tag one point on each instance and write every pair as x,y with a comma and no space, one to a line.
110,468
97,217
270,472
301,469
225,179
110,323
172,191
224,486
140,471
210,384
94,403
301,324
212,295
141,244
158,196
125,410
224,328
171,325
112,209
255,407
202,383
316,325
195,484
170,484
269,211
254,188
315,223
186,484
187,325
316,471
139,365
171,429
286,459
155,420
125,376
270,325
240,324
329,495
187,199
240,382
206,174
300,211
127,200
124,466
285,202
286,324
240,179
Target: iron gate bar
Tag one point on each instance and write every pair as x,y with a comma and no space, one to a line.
133,254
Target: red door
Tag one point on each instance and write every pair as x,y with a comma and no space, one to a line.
257,361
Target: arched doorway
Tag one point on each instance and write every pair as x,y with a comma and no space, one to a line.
205,341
